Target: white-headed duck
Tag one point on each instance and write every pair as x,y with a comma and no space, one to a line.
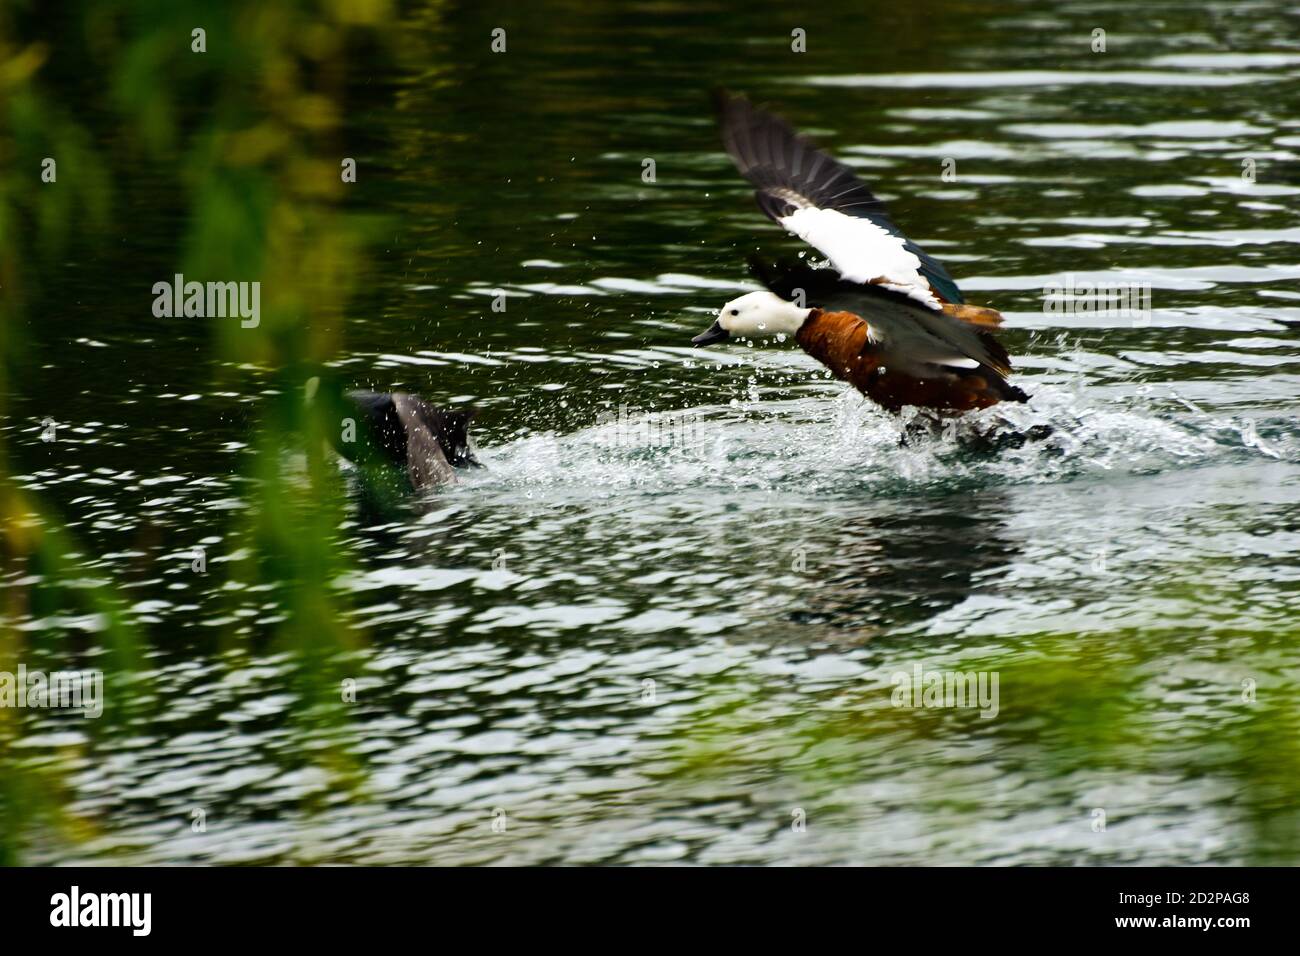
884,315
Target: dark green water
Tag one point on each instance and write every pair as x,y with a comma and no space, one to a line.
773,561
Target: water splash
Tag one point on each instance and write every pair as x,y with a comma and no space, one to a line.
848,445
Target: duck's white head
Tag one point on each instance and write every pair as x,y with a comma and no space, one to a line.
755,315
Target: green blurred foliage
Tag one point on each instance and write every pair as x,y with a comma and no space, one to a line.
248,132
1072,708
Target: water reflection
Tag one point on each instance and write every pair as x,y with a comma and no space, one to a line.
896,565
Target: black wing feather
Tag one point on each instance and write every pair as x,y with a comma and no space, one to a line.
791,173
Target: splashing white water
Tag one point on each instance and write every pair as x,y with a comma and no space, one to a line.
848,444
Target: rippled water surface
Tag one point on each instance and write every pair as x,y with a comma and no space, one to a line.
671,637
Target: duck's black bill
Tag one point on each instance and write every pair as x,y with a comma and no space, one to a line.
715,333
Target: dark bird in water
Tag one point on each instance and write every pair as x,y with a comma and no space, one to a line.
429,443
883,315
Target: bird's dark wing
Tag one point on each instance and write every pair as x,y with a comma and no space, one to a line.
824,203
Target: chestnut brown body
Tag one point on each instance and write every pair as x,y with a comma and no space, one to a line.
855,353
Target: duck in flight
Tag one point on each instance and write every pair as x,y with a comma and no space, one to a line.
883,315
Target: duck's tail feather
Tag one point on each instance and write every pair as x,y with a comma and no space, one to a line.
974,314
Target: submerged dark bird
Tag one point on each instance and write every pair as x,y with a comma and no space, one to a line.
884,315
403,430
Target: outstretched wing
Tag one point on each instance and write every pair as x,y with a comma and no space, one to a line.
823,203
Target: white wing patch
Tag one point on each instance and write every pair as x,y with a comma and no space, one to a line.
862,251
934,353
